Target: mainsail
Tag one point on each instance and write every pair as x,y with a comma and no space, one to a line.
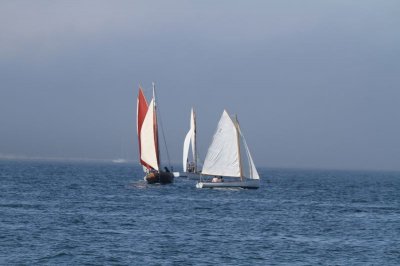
141,110
223,157
186,147
190,139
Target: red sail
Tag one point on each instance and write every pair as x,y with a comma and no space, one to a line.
142,107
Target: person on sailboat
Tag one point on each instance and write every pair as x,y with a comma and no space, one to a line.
217,179
190,167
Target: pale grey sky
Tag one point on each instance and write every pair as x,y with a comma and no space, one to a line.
314,83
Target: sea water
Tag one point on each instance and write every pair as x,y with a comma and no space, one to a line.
54,213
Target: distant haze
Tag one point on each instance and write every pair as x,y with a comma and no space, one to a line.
314,83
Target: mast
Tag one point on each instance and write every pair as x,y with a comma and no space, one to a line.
195,142
156,140
238,146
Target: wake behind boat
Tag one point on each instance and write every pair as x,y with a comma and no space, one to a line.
119,160
224,166
149,151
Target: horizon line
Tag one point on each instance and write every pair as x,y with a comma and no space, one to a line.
4,157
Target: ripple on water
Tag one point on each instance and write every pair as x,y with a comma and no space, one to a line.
63,213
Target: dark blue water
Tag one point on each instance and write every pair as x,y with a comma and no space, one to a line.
91,214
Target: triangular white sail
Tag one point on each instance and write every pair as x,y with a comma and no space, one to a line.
190,139
193,138
186,146
147,138
252,168
223,154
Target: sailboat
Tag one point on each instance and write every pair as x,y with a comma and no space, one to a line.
149,151
225,160
121,158
190,168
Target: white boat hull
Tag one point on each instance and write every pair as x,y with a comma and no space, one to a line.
251,184
193,176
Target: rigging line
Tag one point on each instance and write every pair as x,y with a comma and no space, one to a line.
199,160
162,133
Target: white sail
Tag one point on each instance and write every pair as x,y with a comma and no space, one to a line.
193,138
252,168
190,139
147,138
223,154
186,146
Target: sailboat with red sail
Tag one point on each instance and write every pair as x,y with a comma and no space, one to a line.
149,150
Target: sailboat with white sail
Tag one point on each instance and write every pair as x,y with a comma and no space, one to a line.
228,163
190,168
149,151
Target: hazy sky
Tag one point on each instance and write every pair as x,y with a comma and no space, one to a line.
314,83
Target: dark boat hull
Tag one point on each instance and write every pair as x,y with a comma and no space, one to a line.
159,177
